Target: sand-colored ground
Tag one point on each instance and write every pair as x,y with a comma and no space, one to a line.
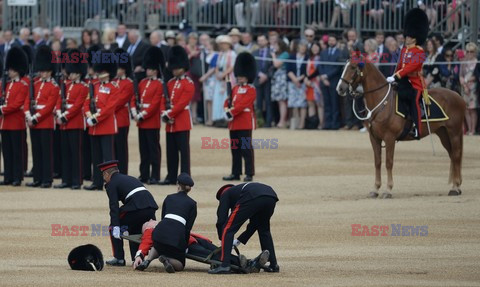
322,179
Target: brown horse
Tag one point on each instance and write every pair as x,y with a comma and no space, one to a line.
385,125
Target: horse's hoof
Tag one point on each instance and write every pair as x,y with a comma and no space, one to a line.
454,192
373,194
386,195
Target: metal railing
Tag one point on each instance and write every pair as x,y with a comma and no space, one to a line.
251,15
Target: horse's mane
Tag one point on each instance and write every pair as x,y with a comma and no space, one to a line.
374,69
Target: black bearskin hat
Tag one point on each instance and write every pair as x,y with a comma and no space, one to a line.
29,52
17,60
245,66
43,59
416,25
86,258
178,59
93,49
78,67
127,66
153,59
102,63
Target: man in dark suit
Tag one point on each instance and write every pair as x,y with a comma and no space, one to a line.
329,76
10,42
139,206
263,80
122,38
58,35
38,39
136,50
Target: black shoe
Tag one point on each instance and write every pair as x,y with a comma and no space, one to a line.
248,178
61,185
220,270
142,180
166,263
153,181
29,173
16,183
231,177
167,182
258,262
143,265
76,187
46,185
56,175
115,262
87,178
5,182
272,269
33,184
92,187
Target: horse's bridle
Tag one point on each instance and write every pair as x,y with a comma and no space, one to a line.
352,91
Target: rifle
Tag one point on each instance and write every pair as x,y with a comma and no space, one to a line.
4,86
135,90
168,104
31,86
60,81
229,91
93,106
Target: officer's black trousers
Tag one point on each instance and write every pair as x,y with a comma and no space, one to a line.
57,147
178,142
102,150
87,156
242,147
13,143
150,153
72,144
121,149
259,211
132,222
42,154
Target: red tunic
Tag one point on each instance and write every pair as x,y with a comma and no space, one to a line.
152,103
126,94
242,109
76,94
46,96
12,117
410,65
105,95
181,93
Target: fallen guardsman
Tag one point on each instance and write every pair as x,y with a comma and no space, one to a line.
200,249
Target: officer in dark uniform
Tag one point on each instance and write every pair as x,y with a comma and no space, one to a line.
171,235
138,207
12,118
39,116
125,83
177,116
248,201
69,113
240,114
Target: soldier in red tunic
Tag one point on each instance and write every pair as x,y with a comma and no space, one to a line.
177,116
100,115
408,73
69,114
12,118
39,116
147,115
240,113
125,83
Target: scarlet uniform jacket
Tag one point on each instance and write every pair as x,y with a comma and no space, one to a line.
122,112
105,98
152,103
410,65
75,95
238,195
242,110
170,231
181,93
118,188
12,117
46,94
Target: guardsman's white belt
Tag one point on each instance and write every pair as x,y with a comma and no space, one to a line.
176,217
135,191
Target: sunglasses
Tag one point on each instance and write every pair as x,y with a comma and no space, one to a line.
309,36
470,51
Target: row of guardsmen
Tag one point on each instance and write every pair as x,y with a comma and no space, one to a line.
89,107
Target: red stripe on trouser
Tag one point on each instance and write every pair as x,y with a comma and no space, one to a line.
229,224
419,112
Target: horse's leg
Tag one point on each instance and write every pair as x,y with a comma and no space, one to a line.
445,140
456,141
377,152
390,150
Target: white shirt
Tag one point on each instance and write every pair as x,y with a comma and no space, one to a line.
121,40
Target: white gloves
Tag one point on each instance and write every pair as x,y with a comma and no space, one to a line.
91,122
236,242
116,232
391,79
